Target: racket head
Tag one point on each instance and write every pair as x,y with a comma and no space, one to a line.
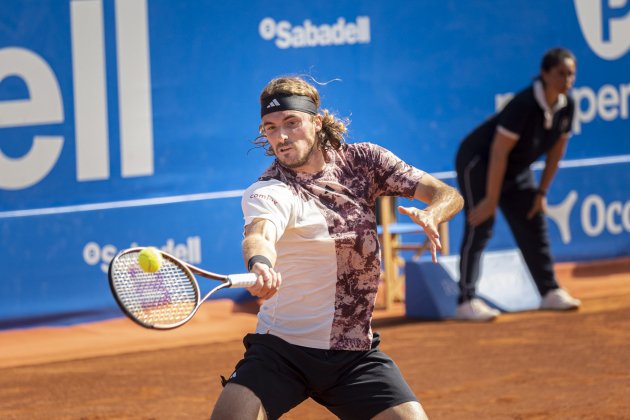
161,300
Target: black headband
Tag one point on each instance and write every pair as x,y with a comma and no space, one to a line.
283,102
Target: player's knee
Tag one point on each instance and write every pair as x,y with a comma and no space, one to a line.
408,411
238,402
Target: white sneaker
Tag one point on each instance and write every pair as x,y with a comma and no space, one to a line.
559,300
475,310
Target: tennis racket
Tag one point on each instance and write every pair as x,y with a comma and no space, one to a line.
167,298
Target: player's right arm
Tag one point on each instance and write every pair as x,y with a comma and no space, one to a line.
260,237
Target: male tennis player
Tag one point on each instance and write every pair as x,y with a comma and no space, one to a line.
310,216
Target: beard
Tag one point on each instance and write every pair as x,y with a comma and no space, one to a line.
301,160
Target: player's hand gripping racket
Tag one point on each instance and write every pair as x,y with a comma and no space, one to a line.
167,298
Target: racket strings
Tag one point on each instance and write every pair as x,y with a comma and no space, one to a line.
165,297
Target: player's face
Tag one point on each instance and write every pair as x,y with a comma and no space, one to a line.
293,139
561,77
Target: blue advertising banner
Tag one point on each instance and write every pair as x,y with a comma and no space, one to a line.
130,121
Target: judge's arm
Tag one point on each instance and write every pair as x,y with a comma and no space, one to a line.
551,168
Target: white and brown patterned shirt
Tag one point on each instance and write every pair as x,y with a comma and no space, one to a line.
328,251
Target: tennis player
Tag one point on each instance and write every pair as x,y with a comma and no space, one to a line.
310,235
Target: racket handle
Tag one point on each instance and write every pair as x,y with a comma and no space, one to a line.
242,280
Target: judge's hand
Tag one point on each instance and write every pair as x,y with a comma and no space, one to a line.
482,212
539,205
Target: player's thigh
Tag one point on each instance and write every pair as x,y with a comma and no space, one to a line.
408,411
372,385
270,369
238,402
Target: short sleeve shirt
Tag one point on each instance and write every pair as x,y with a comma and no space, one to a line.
327,252
523,119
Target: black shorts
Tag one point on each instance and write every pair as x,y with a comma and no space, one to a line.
351,384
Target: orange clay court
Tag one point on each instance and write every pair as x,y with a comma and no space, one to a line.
529,365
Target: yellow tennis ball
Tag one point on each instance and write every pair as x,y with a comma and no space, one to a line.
150,259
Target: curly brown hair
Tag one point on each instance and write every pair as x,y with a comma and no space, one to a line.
332,134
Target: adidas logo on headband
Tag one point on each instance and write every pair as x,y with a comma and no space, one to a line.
273,103
284,102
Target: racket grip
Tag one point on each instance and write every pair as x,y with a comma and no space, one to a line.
242,280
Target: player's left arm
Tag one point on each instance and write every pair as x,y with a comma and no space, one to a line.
554,155
443,202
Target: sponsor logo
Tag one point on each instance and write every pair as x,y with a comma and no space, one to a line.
609,103
264,197
273,104
605,25
102,255
341,32
596,216
561,213
44,104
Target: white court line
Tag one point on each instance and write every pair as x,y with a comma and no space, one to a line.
608,160
121,204
444,175
575,163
